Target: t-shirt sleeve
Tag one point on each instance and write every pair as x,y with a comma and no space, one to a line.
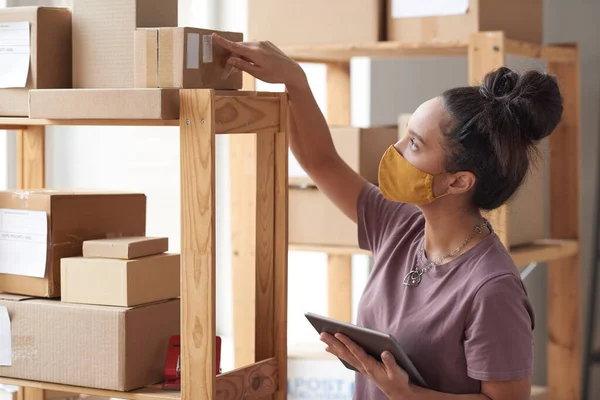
378,218
499,331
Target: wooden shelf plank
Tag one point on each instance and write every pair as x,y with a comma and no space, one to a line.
254,381
538,251
344,52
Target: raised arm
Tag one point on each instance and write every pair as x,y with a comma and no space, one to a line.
309,135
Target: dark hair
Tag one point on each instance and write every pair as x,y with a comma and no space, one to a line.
495,127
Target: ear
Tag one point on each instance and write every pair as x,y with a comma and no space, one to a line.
461,182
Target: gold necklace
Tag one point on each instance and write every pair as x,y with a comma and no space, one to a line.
414,276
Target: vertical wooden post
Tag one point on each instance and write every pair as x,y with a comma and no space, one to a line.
338,93
31,174
197,142
280,267
31,158
564,342
339,296
486,53
242,165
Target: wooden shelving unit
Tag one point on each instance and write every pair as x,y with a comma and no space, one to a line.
485,51
203,114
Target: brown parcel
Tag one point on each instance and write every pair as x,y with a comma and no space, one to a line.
128,346
526,215
126,283
136,104
316,21
103,38
360,148
73,217
184,58
520,20
125,247
50,54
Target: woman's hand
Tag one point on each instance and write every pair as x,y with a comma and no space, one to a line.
263,60
388,376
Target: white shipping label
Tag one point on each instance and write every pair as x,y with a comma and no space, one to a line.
207,49
428,8
5,341
23,242
193,51
15,50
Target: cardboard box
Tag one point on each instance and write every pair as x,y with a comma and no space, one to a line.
68,218
125,248
126,283
361,148
50,54
520,20
103,38
316,21
184,58
99,347
526,211
315,220
104,104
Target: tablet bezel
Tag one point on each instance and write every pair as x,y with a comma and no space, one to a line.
372,341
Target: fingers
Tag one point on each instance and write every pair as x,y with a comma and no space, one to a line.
369,364
243,65
390,363
336,348
235,47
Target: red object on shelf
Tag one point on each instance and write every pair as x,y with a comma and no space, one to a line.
173,363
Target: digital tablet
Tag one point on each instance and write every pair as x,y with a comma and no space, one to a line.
373,342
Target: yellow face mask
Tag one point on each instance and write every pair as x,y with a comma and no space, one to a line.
400,181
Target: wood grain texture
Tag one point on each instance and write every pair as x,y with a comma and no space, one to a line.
244,114
253,382
280,275
265,251
31,158
339,295
154,392
242,167
564,346
338,94
487,53
197,144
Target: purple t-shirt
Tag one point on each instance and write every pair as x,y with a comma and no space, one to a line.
470,320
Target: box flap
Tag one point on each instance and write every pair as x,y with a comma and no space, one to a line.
13,297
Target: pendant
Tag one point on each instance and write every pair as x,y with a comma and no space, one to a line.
413,278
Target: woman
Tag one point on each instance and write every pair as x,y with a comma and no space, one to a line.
442,282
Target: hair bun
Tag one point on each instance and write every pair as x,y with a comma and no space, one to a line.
529,105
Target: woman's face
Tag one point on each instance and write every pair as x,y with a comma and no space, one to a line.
421,146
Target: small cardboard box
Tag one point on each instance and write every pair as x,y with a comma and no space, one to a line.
126,283
104,104
125,248
315,220
50,54
99,347
184,58
315,21
39,227
103,38
526,211
410,22
360,148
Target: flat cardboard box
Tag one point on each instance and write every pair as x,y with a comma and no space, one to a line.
50,54
526,211
111,282
125,248
315,220
73,217
103,38
315,21
360,148
184,58
519,20
99,347
104,104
